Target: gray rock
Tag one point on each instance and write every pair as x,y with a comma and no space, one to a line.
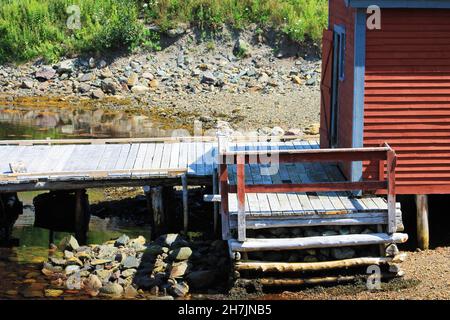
208,78
201,279
57,261
83,88
130,263
109,86
97,94
342,253
93,283
45,73
128,273
86,77
106,252
103,275
112,289
122,240
68,254
148,76
392,250
27,84
72,269
180,254
91,62
139,89
66,66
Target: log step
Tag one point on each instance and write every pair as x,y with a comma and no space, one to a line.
273,282
316,242
283,267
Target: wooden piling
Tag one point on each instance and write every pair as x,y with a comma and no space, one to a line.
216,205
158,216
423,234
81,216
185,203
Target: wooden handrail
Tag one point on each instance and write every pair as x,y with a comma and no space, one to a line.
383,154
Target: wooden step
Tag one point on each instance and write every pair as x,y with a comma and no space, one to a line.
316,242
282,267
312,220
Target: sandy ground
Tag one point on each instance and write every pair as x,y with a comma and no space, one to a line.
427,277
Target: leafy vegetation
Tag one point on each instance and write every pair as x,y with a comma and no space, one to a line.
38,28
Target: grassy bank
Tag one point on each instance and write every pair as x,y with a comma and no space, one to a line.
34,28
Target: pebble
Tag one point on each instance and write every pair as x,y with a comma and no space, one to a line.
53,293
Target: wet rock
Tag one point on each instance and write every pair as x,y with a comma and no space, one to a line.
53,293
201,279
45,73
179,289
112,289
122,241
69,243
180,254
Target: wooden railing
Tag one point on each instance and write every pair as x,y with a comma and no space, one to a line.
385,182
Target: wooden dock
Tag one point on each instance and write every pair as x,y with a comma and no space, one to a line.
275,183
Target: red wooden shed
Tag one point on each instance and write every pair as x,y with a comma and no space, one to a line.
390,83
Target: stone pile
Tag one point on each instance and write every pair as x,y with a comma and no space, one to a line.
129,268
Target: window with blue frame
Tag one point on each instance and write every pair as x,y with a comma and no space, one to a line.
339,37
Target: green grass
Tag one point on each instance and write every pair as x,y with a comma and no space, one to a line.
297,18
37,28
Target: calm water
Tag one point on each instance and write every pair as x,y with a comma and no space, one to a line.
20,266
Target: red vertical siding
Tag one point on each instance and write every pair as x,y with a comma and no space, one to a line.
341,15
407,96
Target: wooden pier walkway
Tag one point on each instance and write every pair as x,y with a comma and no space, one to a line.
276,183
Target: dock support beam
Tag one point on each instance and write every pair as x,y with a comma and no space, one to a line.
81,216
185,203
423,233
155,201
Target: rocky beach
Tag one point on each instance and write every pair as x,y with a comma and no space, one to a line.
250,79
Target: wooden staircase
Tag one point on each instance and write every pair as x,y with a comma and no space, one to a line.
300,202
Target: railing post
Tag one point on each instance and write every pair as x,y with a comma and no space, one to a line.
241,197
391,164
224,212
